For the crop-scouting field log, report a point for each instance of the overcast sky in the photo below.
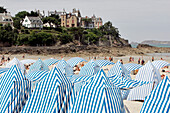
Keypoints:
(137, 20)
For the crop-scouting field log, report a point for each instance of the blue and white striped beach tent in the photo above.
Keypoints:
(118, 70)
(38, 66)
(54, 94)
(65, 68)
(3, 70)
(28, 61)
(102, 63)
(159, 99)
(91, 68)
(146, 73)
(99, 96)
(15, 61)
(75, 60)
(14, 91)
(131, 66)
(50, 61)
(160, 64)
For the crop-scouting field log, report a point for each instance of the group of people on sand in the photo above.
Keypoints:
(4, 60)
(78, 67)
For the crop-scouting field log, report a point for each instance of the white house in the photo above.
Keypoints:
(6, 19)
(49, 25)
(32, 22)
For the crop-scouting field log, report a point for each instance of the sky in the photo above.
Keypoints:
(137, 20)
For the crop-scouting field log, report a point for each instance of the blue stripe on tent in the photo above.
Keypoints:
(3, 70)
(65, 68)
(146, 73)
(160, 64)
(36, 76)
(75, 60)
(159, 99)
(91, 68)
(15, 61)
(99, 96)
(14, 90)
(132, 66)
(50, 61)
(54, 94)
(38, 66)
(102, 63)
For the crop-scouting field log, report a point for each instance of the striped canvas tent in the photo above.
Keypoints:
(75, 60)
(36, 76)
(65, 68)
(3, 70)
(14, 91)
(50, 61)
(102, 63)
(118, 70)
(91, 68)
(146, 73)
(15, 61)
(99, 96)
(53, 95)
(28, 61)
(159, 99)
(38, 66)
(125, 83)
(160, 64)
(131, 66)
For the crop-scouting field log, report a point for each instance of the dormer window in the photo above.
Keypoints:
(26, 20)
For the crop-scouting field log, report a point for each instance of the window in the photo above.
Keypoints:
(26, 20)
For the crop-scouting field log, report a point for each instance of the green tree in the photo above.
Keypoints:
(2, 10)
(21, 14)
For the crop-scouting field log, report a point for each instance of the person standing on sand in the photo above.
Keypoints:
(143, 62)
(152, 59)
(139, 61)
(121, 61)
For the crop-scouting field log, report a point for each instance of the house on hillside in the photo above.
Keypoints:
(6, 19)
(32, 22)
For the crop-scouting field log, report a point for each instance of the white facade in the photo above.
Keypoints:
(6, 19)
(32, 22)
(48, 25)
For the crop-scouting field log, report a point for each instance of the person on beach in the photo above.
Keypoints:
(23, 56)
(105, 58)
(139, 61)
(152, 59)
(130, 59)
(110, 58)
(121, 61)
(8, 59)
(161, 58)
(142, 62)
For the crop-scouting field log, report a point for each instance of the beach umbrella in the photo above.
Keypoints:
(91, 68)
(118, 70)
(146, 73)
(14, 90)
(159, 99)
(15, 61)
(99, 96)
(3, 70)
(160, 64)
(50, 61)
(39, 65)
(75, 60)
(28, 61)
(52, 95)
(131, 66)
(102, 63)
(65, 68)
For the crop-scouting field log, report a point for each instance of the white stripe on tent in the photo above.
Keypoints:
(102, 63)
(91, 68)
(14, 90)
(38, 66)
(159, 99)
(132, 66)
(75, 60)
(146, 73)
(65, 68)
(50, 61)
(52, 95)
(160, 64)
(99, 96)
(15, 61)
(3, 70)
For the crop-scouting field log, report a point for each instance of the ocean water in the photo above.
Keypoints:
(159, 54)
(156, 45)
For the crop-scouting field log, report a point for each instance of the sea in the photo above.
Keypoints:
(156, 45)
